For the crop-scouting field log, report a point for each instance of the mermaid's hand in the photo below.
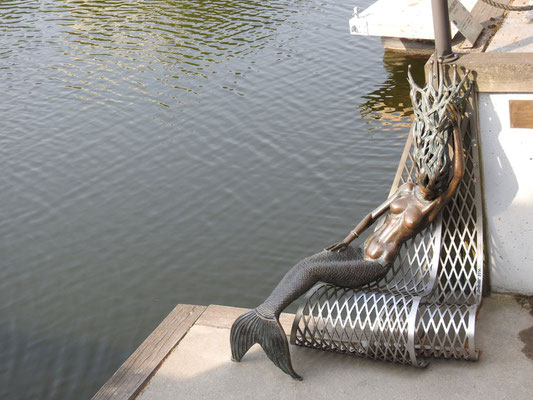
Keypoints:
(341, 246)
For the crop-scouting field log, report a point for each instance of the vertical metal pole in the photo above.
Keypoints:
(441, 27)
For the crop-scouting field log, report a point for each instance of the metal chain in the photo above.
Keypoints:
(506, 7)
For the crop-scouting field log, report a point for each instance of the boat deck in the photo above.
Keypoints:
(503, 32)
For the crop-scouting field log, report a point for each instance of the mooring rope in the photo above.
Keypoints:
(506, 7)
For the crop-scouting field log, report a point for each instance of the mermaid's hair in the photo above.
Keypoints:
(432, 128)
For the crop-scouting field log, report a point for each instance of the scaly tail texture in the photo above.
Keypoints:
(251, 328)
(261, 325)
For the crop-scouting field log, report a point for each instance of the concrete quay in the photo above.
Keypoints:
(188, 357)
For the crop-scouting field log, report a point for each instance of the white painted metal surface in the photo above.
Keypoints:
(408, 19)
(507, 155)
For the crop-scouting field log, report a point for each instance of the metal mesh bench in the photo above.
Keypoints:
(426, 305)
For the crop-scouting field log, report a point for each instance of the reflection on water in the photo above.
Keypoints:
(390, 102)
(164, 152)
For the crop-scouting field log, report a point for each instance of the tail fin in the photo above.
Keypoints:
(251, 328)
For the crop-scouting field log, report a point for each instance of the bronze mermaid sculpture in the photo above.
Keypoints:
(407, 212)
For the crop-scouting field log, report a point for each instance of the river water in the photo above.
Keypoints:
(163, 152)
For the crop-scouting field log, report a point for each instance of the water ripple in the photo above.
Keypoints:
(164, 152)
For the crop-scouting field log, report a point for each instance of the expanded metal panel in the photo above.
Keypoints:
(461, 255)
(426, 305)
(446, 330)
(366, 324)
(384, 326)
(406, 169)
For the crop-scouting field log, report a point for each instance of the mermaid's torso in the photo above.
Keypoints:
(408, 215)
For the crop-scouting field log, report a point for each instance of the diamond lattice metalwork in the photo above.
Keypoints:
(365, 323)
(426, 305)
(445, 330)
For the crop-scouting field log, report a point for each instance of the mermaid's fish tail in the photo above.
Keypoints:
(251, 328)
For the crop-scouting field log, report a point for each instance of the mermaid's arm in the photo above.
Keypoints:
(459, 124)
(363, 225)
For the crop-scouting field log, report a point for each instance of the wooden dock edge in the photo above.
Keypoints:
(130, 378)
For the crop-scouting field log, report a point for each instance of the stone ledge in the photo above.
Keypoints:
(497, 72)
